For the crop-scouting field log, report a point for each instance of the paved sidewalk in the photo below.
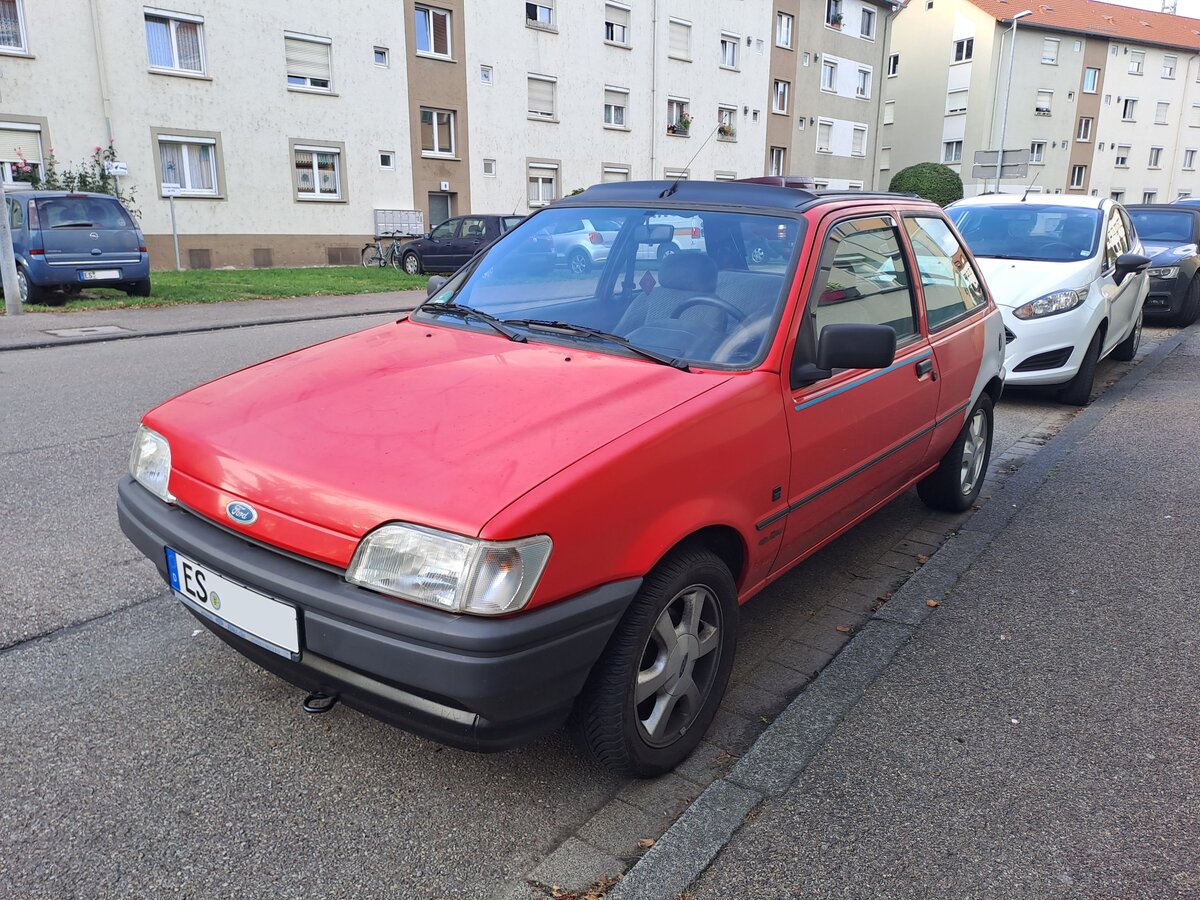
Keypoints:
(1039, 733)
(31, 330)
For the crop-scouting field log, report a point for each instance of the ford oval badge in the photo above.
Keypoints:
(242, 513)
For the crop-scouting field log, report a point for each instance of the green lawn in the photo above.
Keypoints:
(218, 285)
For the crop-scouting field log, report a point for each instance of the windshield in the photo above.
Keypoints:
(699, 286)
(1163, 227)
(82, 212)
(1027, 231)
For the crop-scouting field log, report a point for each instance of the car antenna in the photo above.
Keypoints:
(1030, 188)
(675, 184)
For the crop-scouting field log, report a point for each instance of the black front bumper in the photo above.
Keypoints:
(1166, 297)
(468, 681)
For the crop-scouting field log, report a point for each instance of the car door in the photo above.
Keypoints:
(439, 247)
(860, 435)
(472, 234)
(1123, 300)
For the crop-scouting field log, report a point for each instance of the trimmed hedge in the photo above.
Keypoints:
(930, 180)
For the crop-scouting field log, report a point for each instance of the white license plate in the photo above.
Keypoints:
(256, 617)
(99, 274)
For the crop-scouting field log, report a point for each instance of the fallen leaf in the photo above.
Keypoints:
(933, 603)
(922, 558)
(844, 629)
(646, 843)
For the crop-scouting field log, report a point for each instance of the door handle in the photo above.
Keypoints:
(925, 367)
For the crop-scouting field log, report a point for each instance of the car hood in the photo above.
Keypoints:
(1017, 281)
(428, 424)
(1167, 253)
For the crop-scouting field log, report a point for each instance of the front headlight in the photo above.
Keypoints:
(1050, 305)
(1165, 272)
(150, 462)
(448, 571)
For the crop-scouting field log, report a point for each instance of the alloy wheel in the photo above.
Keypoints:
(974, 452)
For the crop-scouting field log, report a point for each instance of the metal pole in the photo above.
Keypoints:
(175, 234)
(8, 263)
(1012, 53)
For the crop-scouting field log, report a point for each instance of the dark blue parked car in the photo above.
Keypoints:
(65, 242)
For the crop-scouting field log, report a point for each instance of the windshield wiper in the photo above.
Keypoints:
(585, 331)
(467, 312)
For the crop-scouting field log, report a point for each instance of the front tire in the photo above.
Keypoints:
(656, 689)
(412, 263)
(1078, 391)
(1127, 349)
(578, 262)
(955, 485)
(1190, 311)
(371, 258)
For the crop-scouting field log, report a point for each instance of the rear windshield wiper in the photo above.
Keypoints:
(73, 225)
(467, 312)
(585, 331)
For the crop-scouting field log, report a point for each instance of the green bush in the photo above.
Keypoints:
(933, 181)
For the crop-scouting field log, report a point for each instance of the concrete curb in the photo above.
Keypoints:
(785, 748)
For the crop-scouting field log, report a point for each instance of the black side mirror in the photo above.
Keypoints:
(436, 282)
(1127, 264)
(849, 346)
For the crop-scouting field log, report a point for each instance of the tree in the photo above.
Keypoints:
(930, 180)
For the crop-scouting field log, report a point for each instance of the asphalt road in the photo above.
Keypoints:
(141, 757)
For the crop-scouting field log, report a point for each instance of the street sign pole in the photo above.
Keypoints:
(171, 190)
(8, 263)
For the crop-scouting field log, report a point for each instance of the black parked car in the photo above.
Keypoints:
(455, 241)
(1170, 235)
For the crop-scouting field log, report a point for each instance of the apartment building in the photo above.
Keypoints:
(284, 131)
(1105, 98)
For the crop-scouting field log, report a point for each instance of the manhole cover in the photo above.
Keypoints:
(87, 330)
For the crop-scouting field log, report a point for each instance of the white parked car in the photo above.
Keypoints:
(1069, 277)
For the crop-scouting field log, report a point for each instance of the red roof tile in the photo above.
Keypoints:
(1101, 19)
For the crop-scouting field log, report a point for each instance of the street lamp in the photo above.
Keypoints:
(1012, 52)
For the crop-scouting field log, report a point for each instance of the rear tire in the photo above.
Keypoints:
(1078, 391)
(1190, 311)
(371, 258)
(955, 486)
(1127, 349)
(139, 289)
(30, 292)
(674, 649)
(412, 263)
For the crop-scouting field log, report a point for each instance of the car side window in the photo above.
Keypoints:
(1130, 231)
(16, 216)
(473, 228)
(1116, 239)
(864, 278)
(445, 231)
(949, 282)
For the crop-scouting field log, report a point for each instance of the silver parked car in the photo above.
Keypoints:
(582, 243)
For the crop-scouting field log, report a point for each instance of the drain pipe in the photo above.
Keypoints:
(653, 85)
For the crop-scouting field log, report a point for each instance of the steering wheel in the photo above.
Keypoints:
(1056, 248)
(710, 300)
(727, 350)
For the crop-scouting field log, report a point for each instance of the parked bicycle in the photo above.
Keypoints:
(380, 253)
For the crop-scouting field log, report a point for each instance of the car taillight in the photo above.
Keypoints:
(142, 249)
(596, 237)
(33, 215)
(37, 251)
(695, 231)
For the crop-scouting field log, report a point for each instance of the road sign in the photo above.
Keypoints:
(119, 169)
(171, 190)
(1016, 164)
(1016, 171)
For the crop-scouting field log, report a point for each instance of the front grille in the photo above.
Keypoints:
(1053, 359)
(1009, 337)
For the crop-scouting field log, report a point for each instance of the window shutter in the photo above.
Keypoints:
(611, 175)
(680, 42)
(824, 135)
(541, 97)
(860, 138)
(616, 15)
(28, 142)
(615, 98)
(307, 59)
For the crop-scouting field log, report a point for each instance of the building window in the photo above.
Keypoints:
(1050, 52)
(889, 112)
(952, 151)
(543, 183)
(783, 30)
(1083, 133)
(1121, 159)
(726, 123)
(485, 74)
(779, 96)
(1155, 157)
(824, 137)
(542, 92)
(675, 174)
(1137, 62)
(308, 62)
(437, 132)
(893, 65)
(387, 159)
(1128, 110)
(1189, 159)
(1182, 195)
(1078, 173)
(867, 27)
(862, 88)
(489, 168)
(1091, 80)
(1149, 196)
(833, 13)
(778, 161)
(1037, 152)
(616, 101)
(614, 172)
(540, 15)
(964, 49)
(1042, 107)
(1117, 196)
(433, 31)
(174, 44)
(12, 26)
(679, 40)
(828, 76)
(956, 102)
(679, 120)
(858, 141)
(616, 24)
(20, 151)
(729, 50)
(724, 176)
(190, 163)
(885, 157)
(381, 57)
(318, 173)
(1160, 112)
(1168, 66)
